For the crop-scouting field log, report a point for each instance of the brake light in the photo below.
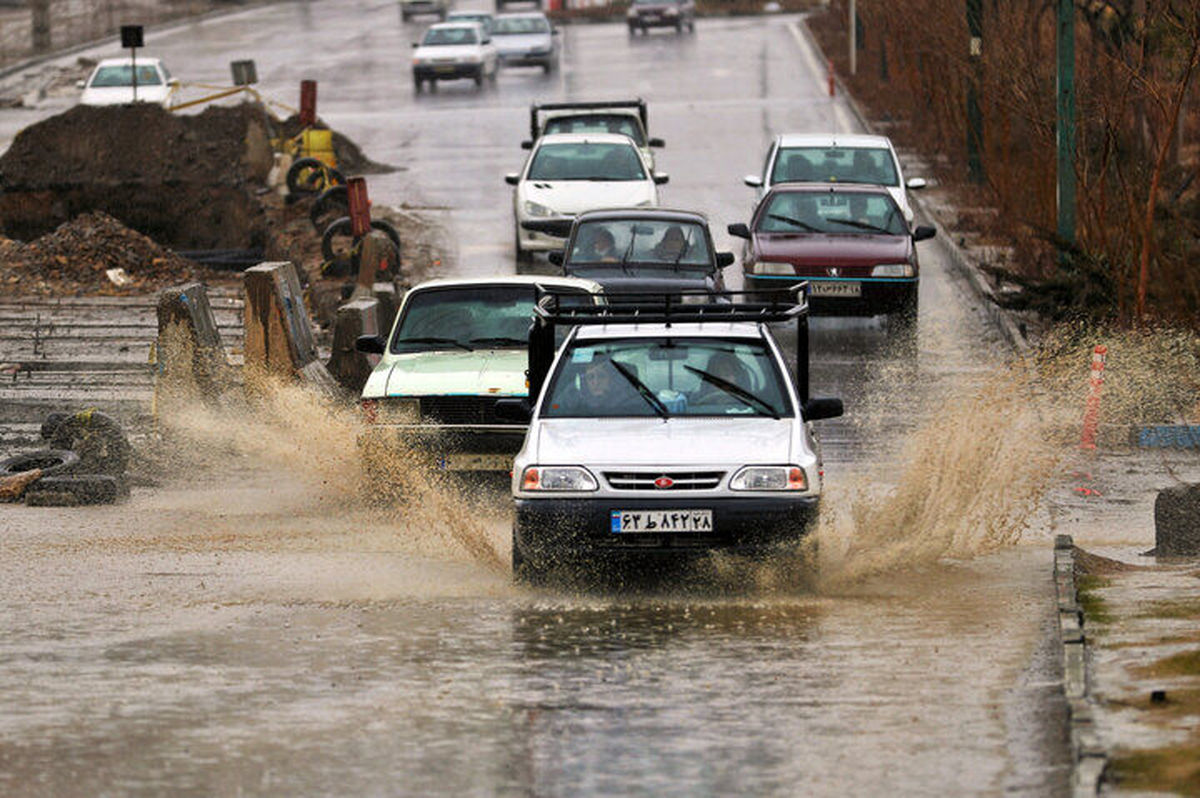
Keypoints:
(531, 479)
(796, 479)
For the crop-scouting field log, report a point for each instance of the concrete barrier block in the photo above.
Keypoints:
(188, 351)
(1177, 521)
(278, 336)
(377, 256)
(389, 296)
(349, 367)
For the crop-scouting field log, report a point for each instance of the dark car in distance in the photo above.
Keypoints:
(646, 14)
(644, 250)
(850, 242)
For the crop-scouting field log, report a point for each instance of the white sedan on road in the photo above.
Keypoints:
(112, 83)
(568, 173)
(452, 50)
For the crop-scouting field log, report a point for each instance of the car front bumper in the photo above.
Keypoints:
(444, 447)
(533, 234)
(447, 71)
(656, 21)
(526, 59)
(877, 295)
(563, 528)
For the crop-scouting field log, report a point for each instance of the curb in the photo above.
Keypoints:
(1088, 756)
(1012, 330)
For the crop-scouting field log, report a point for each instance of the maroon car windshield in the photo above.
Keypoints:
(831, 213)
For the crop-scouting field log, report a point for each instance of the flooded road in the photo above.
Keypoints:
(251, 628)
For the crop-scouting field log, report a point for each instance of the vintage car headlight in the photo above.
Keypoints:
(564, 478)
(537, 209)
(893, 270)
(389, 410)
(771, 267)
(769, 478)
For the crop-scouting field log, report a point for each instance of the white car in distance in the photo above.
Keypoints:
(112, 83)
(568, 173)
(825, 158)
(453, 50)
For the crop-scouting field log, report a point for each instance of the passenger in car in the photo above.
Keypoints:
(672, 245)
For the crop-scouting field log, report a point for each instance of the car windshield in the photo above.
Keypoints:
(666, 377)
(597, 123)
(871, 165)
(586, 160)
(444, 36)
(483, 19)
(519, 25)
(113, 76)
(640, 241)
(829, 212)
(470, 317)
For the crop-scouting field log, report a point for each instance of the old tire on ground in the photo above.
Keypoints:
(50, 461)
(335, 199)
(68, 491)
(51, 423)
(341, 228)
(98, 440)
(309, 176)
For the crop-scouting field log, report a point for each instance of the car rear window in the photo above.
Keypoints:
(639, 377)
(586, 161)
(597, 123)
(518, 25)
(872, 165)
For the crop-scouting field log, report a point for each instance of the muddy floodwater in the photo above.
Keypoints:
(278, 646)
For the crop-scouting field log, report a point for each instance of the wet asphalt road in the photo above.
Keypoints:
(258, 635)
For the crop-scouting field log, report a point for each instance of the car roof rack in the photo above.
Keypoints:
(599, 105)
(657, 307)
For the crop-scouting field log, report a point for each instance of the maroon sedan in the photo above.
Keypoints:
(851, 243)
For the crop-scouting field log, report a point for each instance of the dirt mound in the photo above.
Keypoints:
(76, 255)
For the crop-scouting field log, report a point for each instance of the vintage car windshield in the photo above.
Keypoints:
(597, 123)
(647, 377)
(519, 25)
(448, 36)
(830, 212)
(587, 160)
(471, 317)
(112, 76)
(872, 165)
(640, 241)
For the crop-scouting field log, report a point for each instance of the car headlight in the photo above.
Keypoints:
(537, 209)
(390, 411)
(771, 267)
(557, 478)
(769, 478)
(893, 270)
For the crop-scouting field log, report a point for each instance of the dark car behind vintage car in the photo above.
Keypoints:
(646, 14)
(645, 250)
(851, 243)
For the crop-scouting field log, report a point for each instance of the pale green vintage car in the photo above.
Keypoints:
(456, 348)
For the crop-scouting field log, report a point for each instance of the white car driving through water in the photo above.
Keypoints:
(568, 173)
(673, 431)
(453, 50)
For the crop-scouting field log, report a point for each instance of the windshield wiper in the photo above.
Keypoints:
(862, 225)
(642, 390)
(796, 222)
(735, 391)
(434, 340)
(499, 340)
(633, 234)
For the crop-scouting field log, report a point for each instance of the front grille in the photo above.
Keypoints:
(680, 480)
(460, 410)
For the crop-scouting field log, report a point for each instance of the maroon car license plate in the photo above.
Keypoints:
(836, 288)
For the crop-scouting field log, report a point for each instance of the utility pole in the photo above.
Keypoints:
(852, 25)
(1065, 125)
(41, 25)
(975, 171)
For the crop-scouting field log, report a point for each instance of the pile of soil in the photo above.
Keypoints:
(75, 257)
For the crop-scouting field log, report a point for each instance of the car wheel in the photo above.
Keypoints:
(523, 255)
(632, 30)
(679, 26)
(479, 78)
(416, 84)
(526, 571)
(691, 26)
(48, 461)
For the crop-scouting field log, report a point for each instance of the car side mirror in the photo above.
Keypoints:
(661, 178)
(416, 45)
(370, 344)
(739, 230)
(555, 257)
(724, 259)
(754, 181)
(514, 410)
(817, 409)
(655, 143)
(924, 233)
(79, 84)
(512, 178)
(527, 144)
(554, 31)
(916, 183)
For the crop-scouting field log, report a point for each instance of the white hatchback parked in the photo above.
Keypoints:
(568, 173)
